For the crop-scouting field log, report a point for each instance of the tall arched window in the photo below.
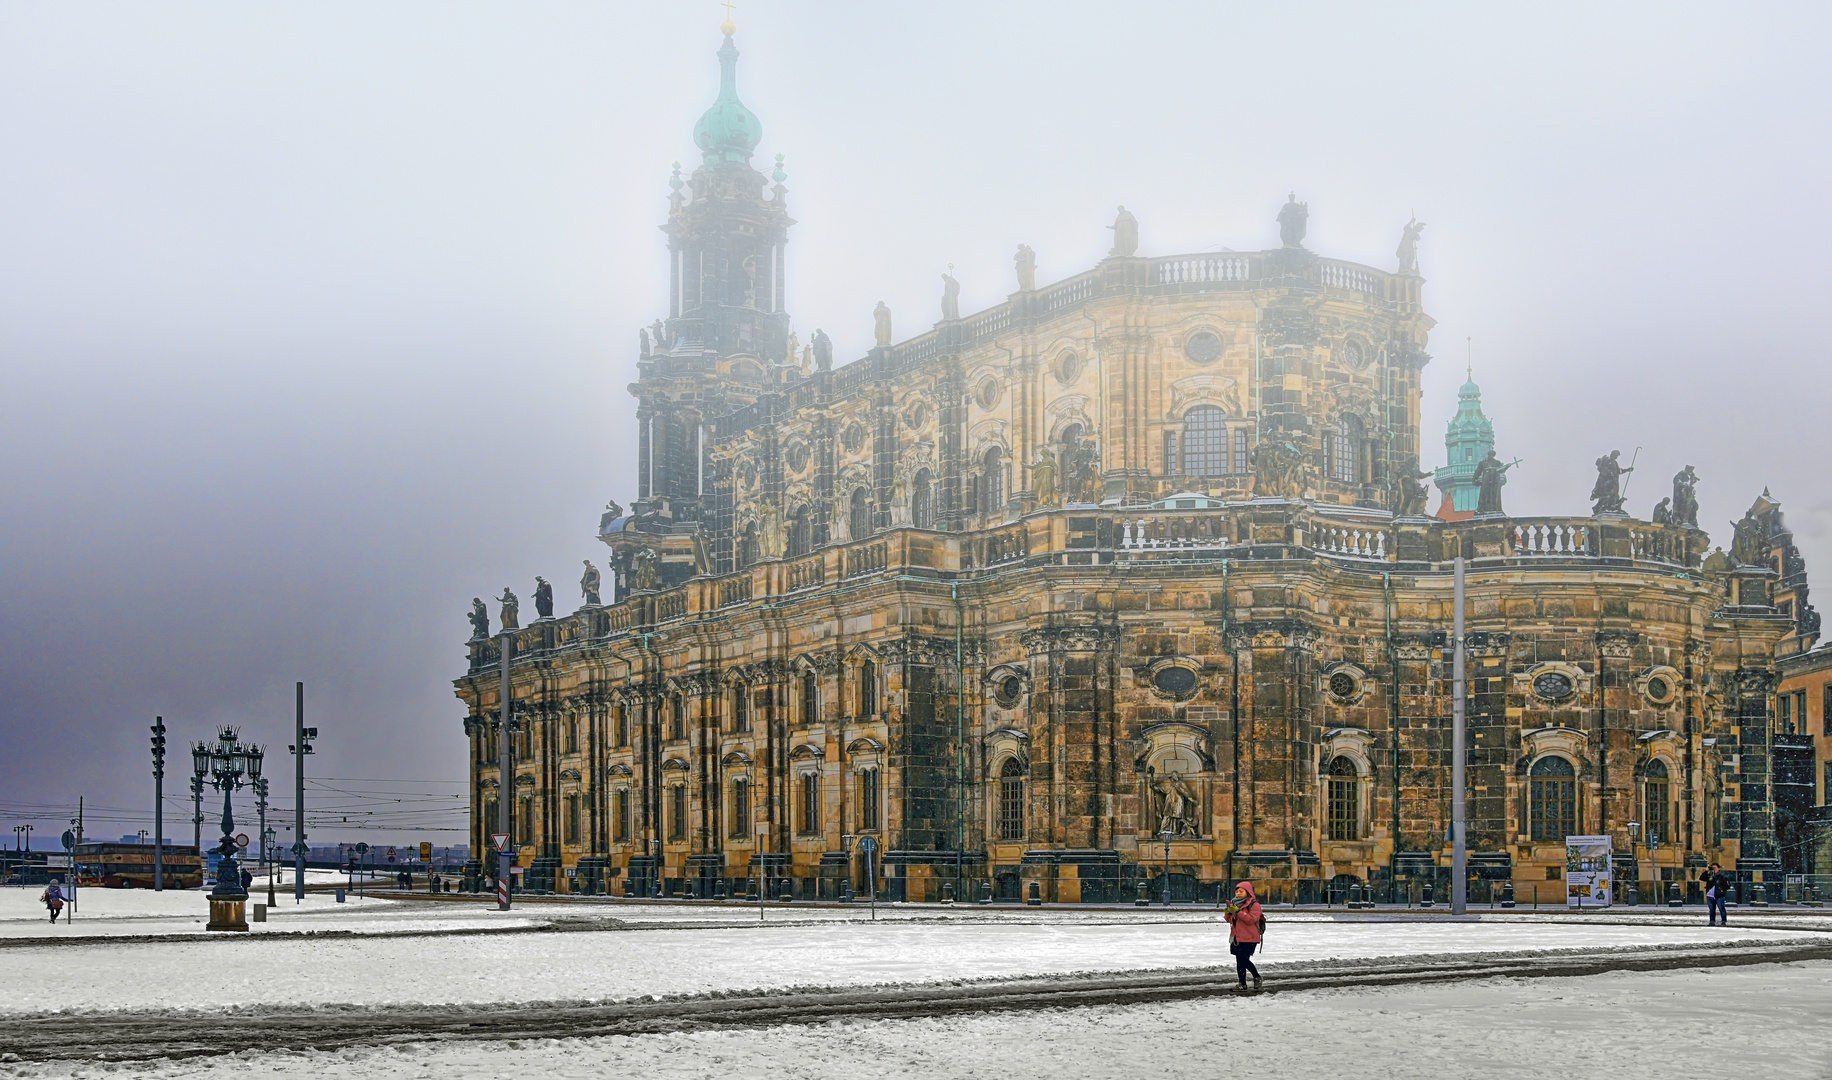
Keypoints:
(811, 699)
(1552, 805)
(869, 813)
(741, 808)
(741, 707)
(1344, 450)
(1344, 800)
(860, 519)
(868, 688)
(1205, 442)
(1656, 812)
(992, 482)
(922, 501)
(1011, 800)
(677, 718)
(801, 532)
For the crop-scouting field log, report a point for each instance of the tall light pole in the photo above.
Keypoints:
(1634, 883)
(505, 776)
(200, 766)
(227, 763)
(1459, 851)
(158, 803)
(302, 745)
(19, 832)
(260, 806)
(1166, 835)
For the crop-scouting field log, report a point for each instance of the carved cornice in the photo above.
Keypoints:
(1617, 644)
(1086, 637)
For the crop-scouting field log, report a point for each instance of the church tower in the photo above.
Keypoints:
(1467, 440)
(724, 343)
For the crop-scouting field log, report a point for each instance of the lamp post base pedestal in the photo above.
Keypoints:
(228, 914)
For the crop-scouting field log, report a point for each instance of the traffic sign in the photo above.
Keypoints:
(362, 849)
(299, 848)
(69, 839)
(501, 840)
(390, 854)
(426, 851)
(241, 840)
(867, 844)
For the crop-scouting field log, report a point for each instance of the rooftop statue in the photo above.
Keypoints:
(1491, 473)
(645, 572)
(1413, 496)
(1685, 498)
(1125, 234)
(1746, 542)
(1663, 512)
(656, 340)
(1027, 268)
(643, 335)
(793, 351)
(511, 617)
(881, 325)
(950, 298)
(823, 350)
(1606, 493)
(1043, 477)
(480, 619)
(1294, 221)
(543, 598)
(1409, 247)
(588, 584)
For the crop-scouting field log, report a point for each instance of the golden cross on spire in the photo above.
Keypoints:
(728, 26)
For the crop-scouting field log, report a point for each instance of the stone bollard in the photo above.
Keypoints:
(787, 893)
(1761, 895)
(985, 892)
(1036, 895)
(718, 885)
(1674, 899)
(1144, 899)
(947, 891)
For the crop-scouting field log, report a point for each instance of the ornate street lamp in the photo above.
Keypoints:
(229, 763)
(1634, 883)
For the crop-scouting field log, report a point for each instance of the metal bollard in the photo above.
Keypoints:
(947, 892)
(1036, 895)
(718, 885)
(787, 892)
(1673, 896)
(1761, 893)
(1507, 894)
(1425, 896)
(1144, 899)
(985, 892)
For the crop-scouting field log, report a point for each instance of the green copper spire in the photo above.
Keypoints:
(1468, 438)
(728, 132)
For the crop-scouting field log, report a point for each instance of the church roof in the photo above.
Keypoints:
(728, 132)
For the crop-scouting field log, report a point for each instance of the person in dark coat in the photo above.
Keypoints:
(1717, 890)
(247, 878)
(1248, 929)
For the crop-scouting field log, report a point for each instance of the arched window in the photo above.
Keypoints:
(1344, 450)
(1656, 812)
(677, 718)
(1205, 442)
(868, 688)
(741, 808)
(623, 813)
(1011, 800)
(801, 533)
(1071, 437)
(1552, 805)
(922, 501)
(741, 707)
(1344, 800)
(811, 699)
(992, 482)
(868, 800)
(810, 802)
(677, 812)
(861, 514)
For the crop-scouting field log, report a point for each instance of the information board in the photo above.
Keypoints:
(1588, 871)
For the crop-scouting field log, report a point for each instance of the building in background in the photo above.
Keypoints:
(1131, 569)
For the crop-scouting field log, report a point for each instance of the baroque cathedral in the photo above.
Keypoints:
(1131, 574)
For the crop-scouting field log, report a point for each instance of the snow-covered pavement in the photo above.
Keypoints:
(602, 960)
(1765, 1020)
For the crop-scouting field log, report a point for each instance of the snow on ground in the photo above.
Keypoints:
(224, 971)
(1765, 1020)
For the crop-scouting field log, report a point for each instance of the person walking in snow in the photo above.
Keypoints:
(53, 897)
(1248, 922)
(1717, 891)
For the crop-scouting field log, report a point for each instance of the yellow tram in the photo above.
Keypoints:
(130, 866)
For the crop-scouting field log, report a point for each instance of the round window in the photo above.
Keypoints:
(1203, 346)
(1342, 684)
(1068, 367)
(747, 474)
(1353, 356)
(988, 393)
(915, 415)
(1010, 691)
(797, 457)
(853, 437)
(1552, 686)
(1658, 689)
(1174, 680)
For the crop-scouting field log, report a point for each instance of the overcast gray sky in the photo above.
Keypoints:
(315, 320)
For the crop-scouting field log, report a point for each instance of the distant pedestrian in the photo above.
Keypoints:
(1717, 890)
(53, 897)
(1248, 922)
(247, 878)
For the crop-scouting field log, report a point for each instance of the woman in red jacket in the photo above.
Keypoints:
(1248, 921)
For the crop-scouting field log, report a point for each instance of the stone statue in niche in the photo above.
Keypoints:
(645, 570)
(1043, 477)
(543, 598)
(480, 619)
(1409, 247)
(1685, 498)
(511, 612)
(900, 495)
(770, 534)
(1606, 493)
(881, 325)
(1294, 221)
(1413, 496)
(823, 350)
(1081, 472)
(1278, 471)
(839, 517)
(1027, 268)
(589, 583)
(1125, 234)
(1663, 513)
(950, 298)
(1490, 474)
(1176, 806)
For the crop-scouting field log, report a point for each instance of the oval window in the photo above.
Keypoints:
(1174, 680)
(1552, 686)
(1352, 354)
(853, 437)
(989, 394)
(1658, 689)
(797, 457)
(1011, 689)
(1342, 684)
(1203, 346)
(1068, 367)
